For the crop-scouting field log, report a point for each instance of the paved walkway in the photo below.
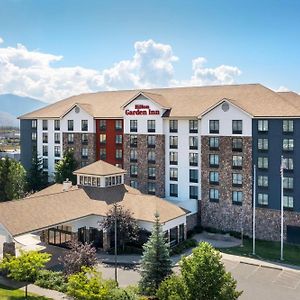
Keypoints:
(32, 288)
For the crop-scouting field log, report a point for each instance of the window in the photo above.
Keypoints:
(119, 125)
(214, 126)
(193, 159)
(287, 126)
(151, 139)
(263, 163)
(134, 184)
(151, 125)
(84, 152)
(237, 127)
(33, 136)
(119, 154)
(133, 125)
(45, 150)
(173, 142)
(173, 158)
(214, 143)
(262, 125)
(214, 195)
(193, 125)
(57, 151)
(102, 125)
(288, 144)
(56, 138)
(237, 144)
(151, 172)
(288, 183)
(119, 139)
(70, 137)
(45, 137)
(45, 163)
(70, 125)
(173, 125)
(193, 192)
(288, 201)
(84, 125)
(193, 141)
(102, 138)
(151, 188)
(45, 124)
(173, 174)
(173, 190)
(102, 153)
(56, 124)
(84, 139)
(214, 160)
(214, 177)
(263, 144)
(288, 164)
(133, 141)
(237, 179)
(194, 176)
(33, 124)
(262, 199)
(237, 197)
(151, 156)
(133, 155)
(133, 170)
(237, 162)
(263, 181)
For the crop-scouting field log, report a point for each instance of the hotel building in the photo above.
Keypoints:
(194, 146)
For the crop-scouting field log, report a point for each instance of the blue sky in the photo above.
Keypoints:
(94, 44)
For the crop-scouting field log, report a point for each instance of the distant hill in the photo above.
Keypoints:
(12, 106)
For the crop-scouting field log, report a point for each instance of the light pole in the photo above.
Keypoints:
(254, 207)
(116, 245)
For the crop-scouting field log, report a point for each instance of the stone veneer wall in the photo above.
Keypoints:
(268, 223)
(192, 221)
(224, 215)
(77, 146)
(142, 163)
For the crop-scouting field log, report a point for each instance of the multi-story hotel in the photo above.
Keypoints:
(194, 146)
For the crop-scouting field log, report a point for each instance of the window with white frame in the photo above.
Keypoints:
(151, 140)
(57, 151)
(262, 181)
(151, 125)
(214, 143)
(173, 190)
(56, 137)
(214, 126)
(173, 174)
(237, 197)
(262, 162)
(84, 152)
(133, 170)
(151, 173)
(288, 126)
(214, 160)
(133, 126)
(262, 125)
(33, 136)
(45, 124)
(193, 142)
(133, 140)
(194, 175)
(214, 177)
(56, 124)
(288, 201)
(133, 155)
(119, 139)
(118, 124)
(70, 138)
(263, 144)
(151, 188)
(173, 142)
(193, 192)
(151, 156)
(214, 195)
(237, 144)
(193, 126)
(33, 124)
(237, 126)
(173, 158)
(173, 125)
(288, 164)
(288, 183)
(193, 157)
(237, 179)
(237, 161)
(119, 154)
(288, 144)
(70, 125)
(84, 125)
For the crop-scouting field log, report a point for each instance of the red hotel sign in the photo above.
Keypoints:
(140, 109)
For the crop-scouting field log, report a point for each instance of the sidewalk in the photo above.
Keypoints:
(32, 288)
(216, 240)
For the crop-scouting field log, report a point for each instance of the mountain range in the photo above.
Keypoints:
(13, 106)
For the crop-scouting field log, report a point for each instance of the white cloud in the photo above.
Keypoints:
(282, 89)
(32, 73)
(1, 40)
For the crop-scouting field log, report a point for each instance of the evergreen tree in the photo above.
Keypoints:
(65, 168)
(156, 264)
(12, 179)
(36, 178)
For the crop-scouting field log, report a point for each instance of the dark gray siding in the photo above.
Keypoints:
(26, 143)
(275, 137)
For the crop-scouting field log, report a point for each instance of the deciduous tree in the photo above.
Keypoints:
(65, 168)
(25, 267)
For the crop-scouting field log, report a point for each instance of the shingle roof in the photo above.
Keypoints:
(256, 99)
(55, 207)
(100, 168)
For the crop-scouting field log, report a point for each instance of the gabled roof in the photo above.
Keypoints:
(155, 98)
(53, 208)
(184, 102)
(100, 168)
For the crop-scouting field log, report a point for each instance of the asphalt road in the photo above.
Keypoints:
(257, 283)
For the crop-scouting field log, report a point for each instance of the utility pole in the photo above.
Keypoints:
(254, 208)
(116, 245)
(281, 223)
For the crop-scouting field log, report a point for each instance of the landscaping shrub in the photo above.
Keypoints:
(124, 294)
(51, 280)
(187, 244)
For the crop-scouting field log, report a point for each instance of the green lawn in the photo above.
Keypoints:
(7, 293)
(268, 251)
